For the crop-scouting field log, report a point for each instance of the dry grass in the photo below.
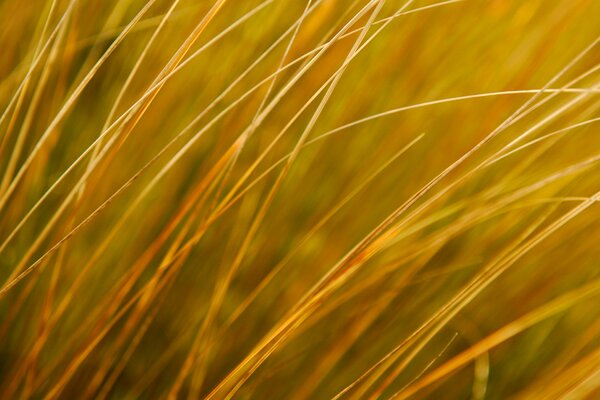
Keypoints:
(299, 199)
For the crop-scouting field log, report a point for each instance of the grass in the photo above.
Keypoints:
(317, 199)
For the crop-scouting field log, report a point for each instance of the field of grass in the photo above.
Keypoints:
(300, 199)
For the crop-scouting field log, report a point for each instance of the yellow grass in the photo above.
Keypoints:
(315, 199)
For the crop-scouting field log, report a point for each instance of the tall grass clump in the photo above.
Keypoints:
(309, 199)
